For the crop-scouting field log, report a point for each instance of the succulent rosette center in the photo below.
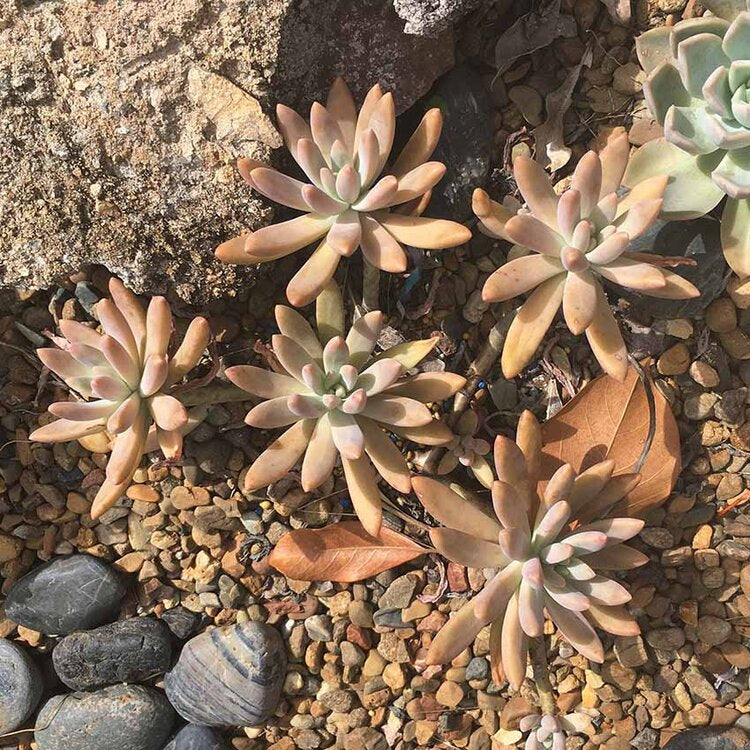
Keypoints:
(468, 450)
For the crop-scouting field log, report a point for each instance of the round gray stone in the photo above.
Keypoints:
(229, 676)
(126, 717)
(66, 594)
(126, 651)
(193, 737)
(21, 686)
(710, 738)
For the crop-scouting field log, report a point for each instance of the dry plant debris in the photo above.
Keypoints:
(608, 420)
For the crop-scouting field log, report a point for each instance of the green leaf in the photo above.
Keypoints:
(733, 173)
(409, 353)
(689, 128)
(690, 192)
(697, 58)
(693, 26)
(329, 313)
(726, 9)
(664, 88)
(653, 48)
(737, 39)
(735, 235)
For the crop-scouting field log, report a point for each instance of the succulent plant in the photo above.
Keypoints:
(467, 450)
(574, 240)
(340, 400)
(125, 373)
(697, 88)
(545, 732)
(349, 201)
(550, 553)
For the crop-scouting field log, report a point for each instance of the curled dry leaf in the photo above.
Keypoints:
(608, 419)
(534, 30)
(342, 552)
(549, 138)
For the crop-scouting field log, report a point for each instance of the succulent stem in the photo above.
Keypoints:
(538, 649)
(370, 286)
(216, 393)
(481, 365)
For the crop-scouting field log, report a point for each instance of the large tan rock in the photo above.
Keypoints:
(121, 121)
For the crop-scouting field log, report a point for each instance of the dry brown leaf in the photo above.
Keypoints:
(608, 419)
(342, 552)
(551, 150)
(534, 30)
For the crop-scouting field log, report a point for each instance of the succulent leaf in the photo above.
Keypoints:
(733, 173)
(464, 448)
(654, 48)
(726, 9)
(735, 235)
(690, 192)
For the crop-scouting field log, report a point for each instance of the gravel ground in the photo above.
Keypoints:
(193, 540)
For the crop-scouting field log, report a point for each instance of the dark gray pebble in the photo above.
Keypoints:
(182, 622)
(66, 594)
(125, 717)
(193, 737)
(229, 676)
(465, 145)
(21, 686)
(710, 738)
(126, 651)
(478, 669)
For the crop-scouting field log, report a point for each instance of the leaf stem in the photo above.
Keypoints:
(648, 389)
(216, 393)
(370, 286)
(540, 668)
(480, 366)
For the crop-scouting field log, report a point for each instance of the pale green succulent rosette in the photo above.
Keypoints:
(698, 89)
